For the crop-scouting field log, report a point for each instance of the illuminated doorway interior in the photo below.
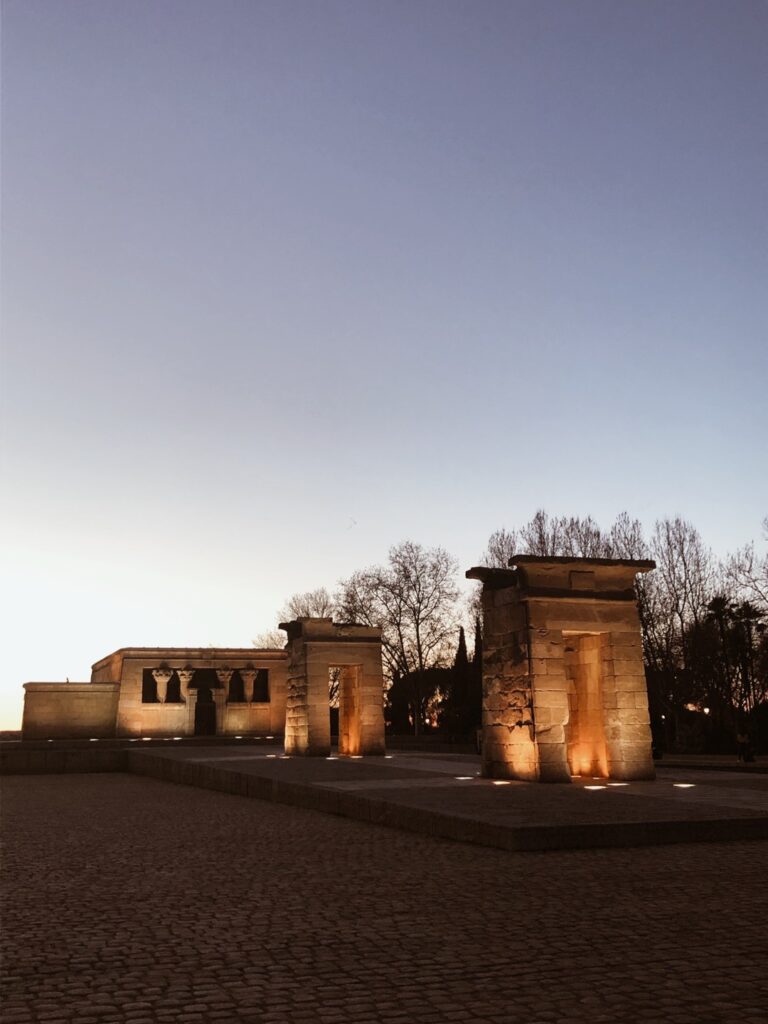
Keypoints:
(344, 698)
(585, 731)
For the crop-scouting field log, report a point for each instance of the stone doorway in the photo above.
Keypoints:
(585, 729)
(350, 731)
(318, 650)
(205, 712)
(564, 689)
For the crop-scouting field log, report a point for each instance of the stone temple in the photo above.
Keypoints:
(186, 691)
(564, 690)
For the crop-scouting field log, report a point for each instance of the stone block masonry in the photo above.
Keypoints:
(564, 690)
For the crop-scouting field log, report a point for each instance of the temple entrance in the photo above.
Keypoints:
(324, 655)
(585, 731)
(205, 712)
(349, 710)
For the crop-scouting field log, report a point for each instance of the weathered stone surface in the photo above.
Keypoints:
(573, 623)
(315, 646)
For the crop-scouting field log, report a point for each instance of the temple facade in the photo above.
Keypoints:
(164, 691)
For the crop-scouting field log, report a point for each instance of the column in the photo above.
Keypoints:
(161, 677)
(248, 675)
(224, 675)
(186, 675)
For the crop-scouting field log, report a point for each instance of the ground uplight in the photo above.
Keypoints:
(684, 785)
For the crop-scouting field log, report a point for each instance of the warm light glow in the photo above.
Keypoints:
(594, 787)
(684, 785)
(355, 757)
(238, 737)
(501, 782)
(270, 737)
(271, 755)
(177, 737)
(706, 711)
(618, 783)
(146, 738)
(388, 757)
(331, 758)
(94, 739)
(464, 778)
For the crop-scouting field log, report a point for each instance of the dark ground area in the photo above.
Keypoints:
(128, 901)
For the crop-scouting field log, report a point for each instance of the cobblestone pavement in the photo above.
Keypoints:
(130, 901)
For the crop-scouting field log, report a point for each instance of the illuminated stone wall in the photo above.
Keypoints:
(315, 646)
(69, 710)
(564, 689)
(118, 702)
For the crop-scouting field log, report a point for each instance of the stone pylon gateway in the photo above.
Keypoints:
(564, 689)
(315, 646)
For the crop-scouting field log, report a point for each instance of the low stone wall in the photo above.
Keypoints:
(69, 710)
(20, 759)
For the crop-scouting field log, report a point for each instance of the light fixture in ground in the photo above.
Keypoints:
(684, 785)
(595, 787)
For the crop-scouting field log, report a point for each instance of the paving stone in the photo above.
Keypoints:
(129, 900)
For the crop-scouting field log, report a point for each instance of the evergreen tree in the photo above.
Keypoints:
(461, 661)
(475, 687)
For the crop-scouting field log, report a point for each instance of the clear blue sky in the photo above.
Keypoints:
(288, 282)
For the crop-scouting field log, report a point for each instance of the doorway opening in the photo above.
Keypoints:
(205, 712)
(344, 699)
(585, 731)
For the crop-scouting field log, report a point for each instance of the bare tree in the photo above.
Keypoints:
(502, 544)
(313, 604)
(414, 600)
(542, 535)
(271, 639)
(748, 572)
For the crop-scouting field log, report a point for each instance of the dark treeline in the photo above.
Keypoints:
(703, 621)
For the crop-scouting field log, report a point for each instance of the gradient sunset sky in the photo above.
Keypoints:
(285, 283)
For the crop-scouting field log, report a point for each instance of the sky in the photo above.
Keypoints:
(285, 283)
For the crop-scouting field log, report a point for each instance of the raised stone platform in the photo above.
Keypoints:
(444, 796)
